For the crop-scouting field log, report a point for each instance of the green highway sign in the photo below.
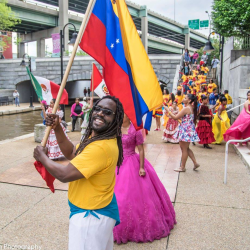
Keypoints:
(194, 24)
(204, 24)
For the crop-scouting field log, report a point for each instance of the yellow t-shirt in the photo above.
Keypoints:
(206, 69)
(193, 90)
(165, 99)
(203, 78)
(195, 73)
(184, 78)
(198, 85)
(179, 99)
(200, 77)
(179, 87)
(211, 87)
(97, 162)
(229, 99)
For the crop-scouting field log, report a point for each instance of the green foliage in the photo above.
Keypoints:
(5, 41)
(78, 53)
(81, 53)
(8, 20)
(17, 40)
(231, 17)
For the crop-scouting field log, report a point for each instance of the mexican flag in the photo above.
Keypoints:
(99, 86)
(46, 89)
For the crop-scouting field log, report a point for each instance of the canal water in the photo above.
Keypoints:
(23, 123)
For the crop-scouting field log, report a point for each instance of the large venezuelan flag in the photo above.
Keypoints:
(112, 39)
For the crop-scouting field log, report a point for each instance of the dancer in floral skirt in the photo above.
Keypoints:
(172, 125)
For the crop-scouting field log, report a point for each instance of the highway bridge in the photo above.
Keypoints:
(159, 34)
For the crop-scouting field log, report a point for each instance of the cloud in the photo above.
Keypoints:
(184, 9)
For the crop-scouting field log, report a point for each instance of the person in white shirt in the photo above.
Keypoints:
(16, 98)
(214, 64)
(204, 58)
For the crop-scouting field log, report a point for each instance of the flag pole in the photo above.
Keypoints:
(66, 74)
(92, 81)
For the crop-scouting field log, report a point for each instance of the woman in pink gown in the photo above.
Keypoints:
(241, 127)
(145, 209)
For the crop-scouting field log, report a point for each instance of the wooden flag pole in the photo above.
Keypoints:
(92, 81)
(66, 74)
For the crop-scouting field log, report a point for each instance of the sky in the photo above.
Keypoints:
(184, 10)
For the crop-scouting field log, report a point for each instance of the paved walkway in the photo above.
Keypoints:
(210, 215)
(24, 107)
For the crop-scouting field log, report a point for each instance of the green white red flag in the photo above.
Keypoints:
(46, 89)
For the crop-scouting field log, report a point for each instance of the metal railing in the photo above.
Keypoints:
(226, 156)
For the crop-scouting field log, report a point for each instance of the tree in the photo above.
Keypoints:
(231, 17)
(8, 20)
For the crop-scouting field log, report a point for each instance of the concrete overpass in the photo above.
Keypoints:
(39, 21)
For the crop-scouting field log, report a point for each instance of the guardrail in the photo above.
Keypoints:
(226, 156)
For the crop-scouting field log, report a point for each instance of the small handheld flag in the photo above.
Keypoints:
(99, 86)
(46, 89)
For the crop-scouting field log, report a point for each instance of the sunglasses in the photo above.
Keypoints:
(107, 112)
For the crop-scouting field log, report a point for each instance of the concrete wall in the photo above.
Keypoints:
(239, 79)
(235, 54)
(242, 97)
(236, 74)
(228, 47)
(11, 73)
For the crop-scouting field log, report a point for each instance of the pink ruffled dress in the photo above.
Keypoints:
(240, 128)
(145, 209)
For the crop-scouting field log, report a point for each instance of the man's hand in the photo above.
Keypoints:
(40, 152)
(52, 120)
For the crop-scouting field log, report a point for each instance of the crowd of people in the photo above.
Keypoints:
(197, 112)
(114, 192)
(108, 205)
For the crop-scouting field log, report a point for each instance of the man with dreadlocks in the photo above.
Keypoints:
(91, 175)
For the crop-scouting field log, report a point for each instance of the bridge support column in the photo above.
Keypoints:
(21, 50)
(40, 45)
(187, 37)
(64, 19)
(144, 26)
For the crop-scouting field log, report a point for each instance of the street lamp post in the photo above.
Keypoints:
(209, 17)
(209, 48)
(23, 63)
(72, 41)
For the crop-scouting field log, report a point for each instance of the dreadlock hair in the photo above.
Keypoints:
(114, 131)
(193, 100)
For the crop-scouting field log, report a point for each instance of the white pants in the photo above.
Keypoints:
(91, 233)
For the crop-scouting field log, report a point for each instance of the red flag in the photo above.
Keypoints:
(45, 175)
(99, 85)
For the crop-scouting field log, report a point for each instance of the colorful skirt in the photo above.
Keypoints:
(240, 128)
(145, 209)
(171, 128)
(158, 114)
(54, 151)
(205, 133)
(220, 127)
(186, 133)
